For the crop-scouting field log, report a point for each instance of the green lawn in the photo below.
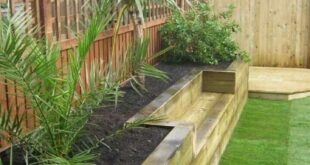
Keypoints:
(271, 132)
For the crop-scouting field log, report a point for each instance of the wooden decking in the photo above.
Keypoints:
(279, 83)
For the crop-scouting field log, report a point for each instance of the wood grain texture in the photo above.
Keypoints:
(279, 83)
(219, 81)
(274, 32)
(210, 118)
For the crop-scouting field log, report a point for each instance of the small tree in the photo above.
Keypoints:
(136, 10)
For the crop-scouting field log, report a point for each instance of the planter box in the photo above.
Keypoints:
(203, 109)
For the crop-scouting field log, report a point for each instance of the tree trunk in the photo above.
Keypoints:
(138, 36)
(138, 26)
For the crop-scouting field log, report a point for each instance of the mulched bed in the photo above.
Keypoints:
(134, 146)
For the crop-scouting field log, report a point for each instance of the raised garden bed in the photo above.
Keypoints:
(202, 109)
(136, 145)
(200, 106)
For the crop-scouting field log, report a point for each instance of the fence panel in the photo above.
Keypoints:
(10, 96)
(274, 32)
(57, 18)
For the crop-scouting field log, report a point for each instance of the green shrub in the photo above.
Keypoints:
(201, 36)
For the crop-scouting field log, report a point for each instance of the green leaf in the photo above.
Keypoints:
(201, 35)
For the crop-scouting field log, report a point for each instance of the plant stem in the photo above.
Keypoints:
(11, 154)
(116, 30)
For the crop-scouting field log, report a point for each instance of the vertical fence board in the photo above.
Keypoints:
(274, 32)
(55, 17)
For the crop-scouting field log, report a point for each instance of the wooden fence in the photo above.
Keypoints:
(274, 32)
(56, 17)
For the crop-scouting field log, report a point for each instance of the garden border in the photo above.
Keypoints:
(187, 143)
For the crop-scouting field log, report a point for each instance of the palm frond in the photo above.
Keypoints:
(135, 124)
(151, 71)
(137, 58)
(142, 121)
(99, 21)
(11, 126)
(30, 64)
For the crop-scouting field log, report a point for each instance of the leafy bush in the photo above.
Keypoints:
(201, 36)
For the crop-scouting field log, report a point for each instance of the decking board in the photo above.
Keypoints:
(279, 83)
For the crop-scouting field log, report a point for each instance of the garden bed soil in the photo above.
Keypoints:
(134, 146)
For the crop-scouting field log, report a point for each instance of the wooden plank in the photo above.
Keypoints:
(219, 81)
(68, 17)
(58, 20)
(96, 52)
(298, 35)
(21, 107)
(69, 43)
(105, 51)
(4, 105)
(3, 92)
(101, 53)
(306, 35)
(276, 82)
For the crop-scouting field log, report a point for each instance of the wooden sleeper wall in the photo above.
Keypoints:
(219, 137)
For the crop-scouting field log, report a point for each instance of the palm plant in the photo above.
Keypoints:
(30, 64)
(137, 59)
(135, 9)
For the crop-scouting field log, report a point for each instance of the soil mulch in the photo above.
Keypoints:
(133, 147)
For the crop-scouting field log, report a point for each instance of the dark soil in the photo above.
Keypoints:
(133, 147)
(18, 157)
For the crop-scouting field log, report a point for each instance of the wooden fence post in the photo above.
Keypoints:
(182, 5)
(12, 6)
(45, 19)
